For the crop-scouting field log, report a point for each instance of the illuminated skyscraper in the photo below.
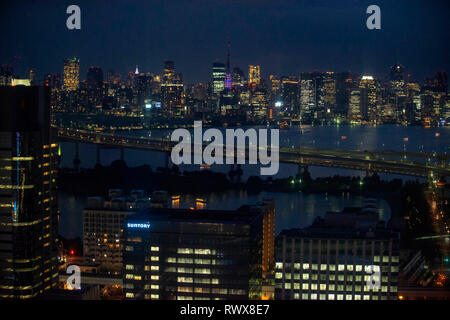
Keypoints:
(397, 82)
(172, 91)
(28, 194)
(169, 70)
(71, 74)
(307, 99)
(368, 98)
(254, 75)
(238, 78)
(218, 75)
(354, 112)
(329, 88)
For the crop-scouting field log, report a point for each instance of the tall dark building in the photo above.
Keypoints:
(437, 84)
(343, 87)
(95, 77)
(290, 94)
(28, 194)
(180, 254)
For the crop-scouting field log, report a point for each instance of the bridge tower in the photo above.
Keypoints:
(76, 159)
(302, 168)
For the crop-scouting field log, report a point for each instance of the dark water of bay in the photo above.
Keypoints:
(292, 210)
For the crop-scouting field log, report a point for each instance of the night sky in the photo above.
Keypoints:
(284, 37)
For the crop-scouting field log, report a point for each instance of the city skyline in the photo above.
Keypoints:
(278, 39)
(224, 150)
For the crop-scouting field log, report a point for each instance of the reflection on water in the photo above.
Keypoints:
(292, 210)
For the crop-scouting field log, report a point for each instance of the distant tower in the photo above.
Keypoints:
(228, 72)
(137, 70)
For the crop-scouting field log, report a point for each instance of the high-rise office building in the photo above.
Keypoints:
(28, 194)
(238, 79)
(348, 255)
(71, 74)
(172, 91)
(103, 223)
(344, 83)
(397, 80)
(169, 70)
(368, 98)
(218, 77)
(307, 98)
(254, 75)
(354, 109)
(94, 77)
(290, 95)
(329, 87)
(179, 254)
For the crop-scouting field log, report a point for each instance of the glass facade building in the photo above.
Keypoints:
(28, 194)
(180, 254)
